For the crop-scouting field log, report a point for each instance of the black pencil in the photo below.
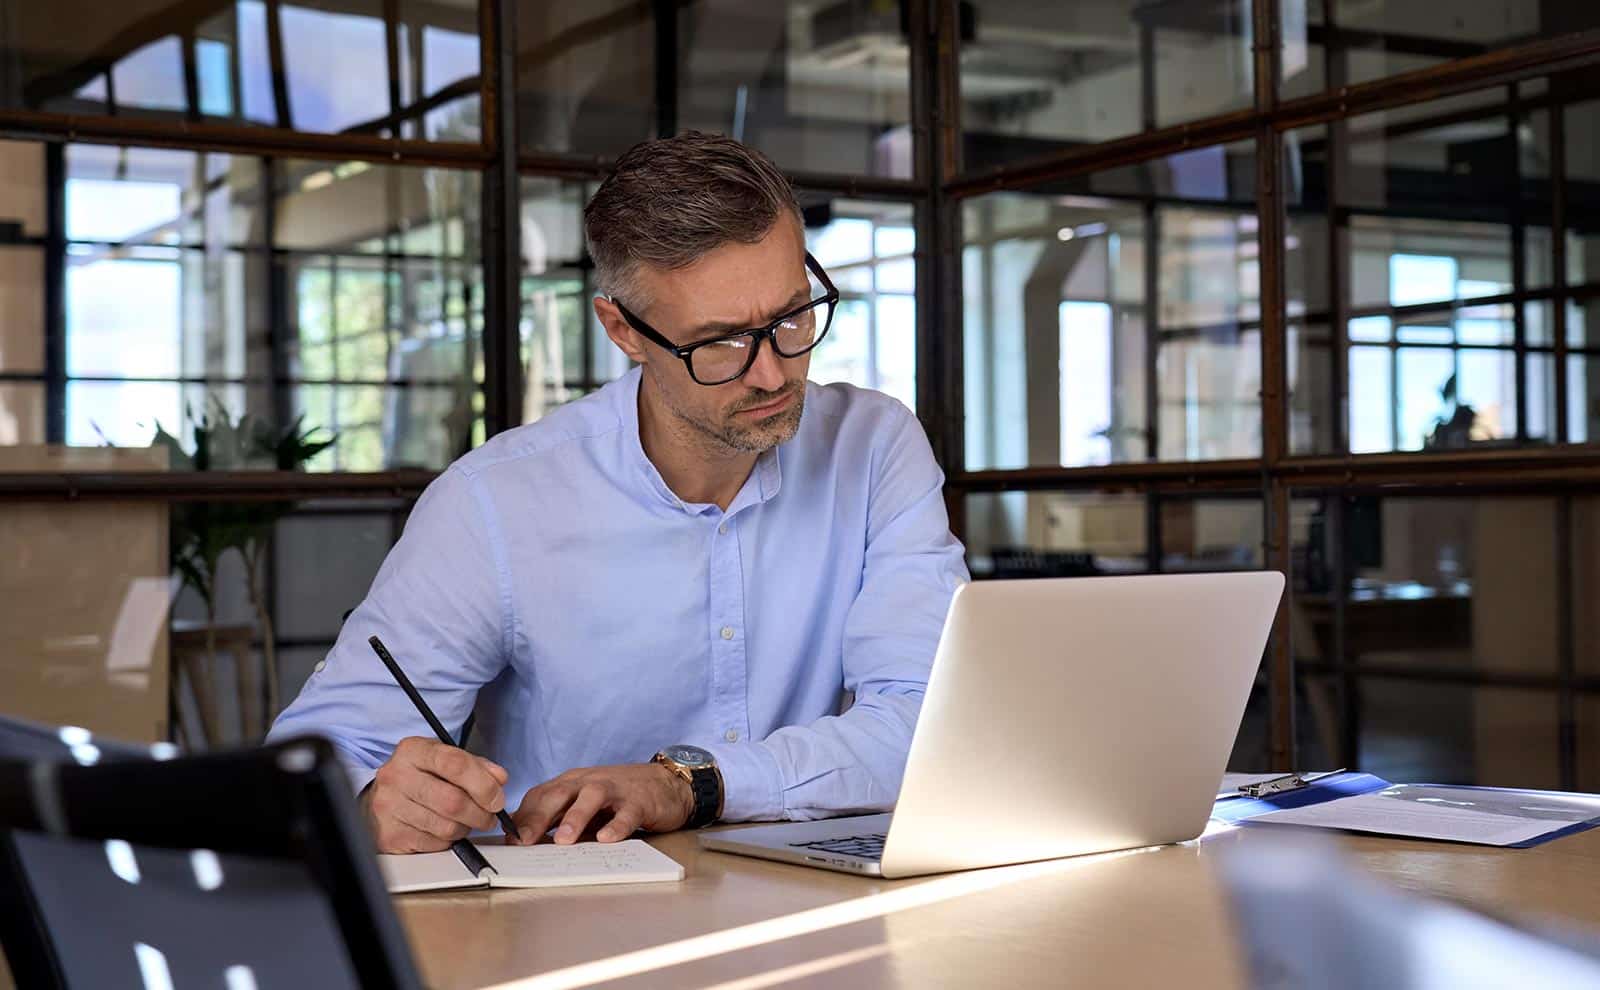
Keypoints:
(427, 713)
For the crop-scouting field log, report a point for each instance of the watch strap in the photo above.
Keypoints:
(706, 785)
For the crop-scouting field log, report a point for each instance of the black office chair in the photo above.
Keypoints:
(242, 869)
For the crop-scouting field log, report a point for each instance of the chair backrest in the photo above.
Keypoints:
(21, 739)
(241, 869)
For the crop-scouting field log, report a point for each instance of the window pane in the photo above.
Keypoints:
(1036, 304)
(1433, 585)
(846, 354)
(1371, 400)
(894, 352)
(314, 588)
(560, 334)
(1378, 38)
(370, 209)
(1583, 324)
(1541, 396)
(819, 88)
(1037, 78)
(1585, 535)
(1435, 581)
(1430, 200)
(123, 316)
(450, 63)
(1583, 205)
(125, 195)
(1583, 398)
(1208, 366)
(1430, 206)
(1486, 383)
(1311, 404)
(1426, 415)
(1211, 534)
(586, 76)
(122, 414)
(866, 247)
(1459, 734)
(336, 65)
(1055, 534)
(151, 77)
(167, 289)
(1588, 711)
(333, 60)
(21, 414)
(22, 187)
(1057, 304)
(22, 303)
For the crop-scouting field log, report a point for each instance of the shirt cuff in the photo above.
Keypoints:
(360, 777)
(752, 784)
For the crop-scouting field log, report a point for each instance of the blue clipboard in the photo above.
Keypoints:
(1242, 808)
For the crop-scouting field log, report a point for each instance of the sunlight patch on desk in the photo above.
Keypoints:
(788, 926)
(786, 974)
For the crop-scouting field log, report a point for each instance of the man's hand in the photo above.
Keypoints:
(639, 795)
(428, 795)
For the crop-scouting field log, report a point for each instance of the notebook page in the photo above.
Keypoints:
(548, 865)
(425, 871)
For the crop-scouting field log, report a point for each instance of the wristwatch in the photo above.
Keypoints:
(699, 769)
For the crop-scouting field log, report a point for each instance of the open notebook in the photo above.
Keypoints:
(544, 865)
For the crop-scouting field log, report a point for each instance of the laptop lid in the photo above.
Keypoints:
(1078, 715)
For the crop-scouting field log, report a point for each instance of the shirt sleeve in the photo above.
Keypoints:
(853, 763)
(440, 605)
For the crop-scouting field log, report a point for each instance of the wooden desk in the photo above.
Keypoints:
(1149, 918)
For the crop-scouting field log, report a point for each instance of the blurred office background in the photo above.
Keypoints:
(1173, 285)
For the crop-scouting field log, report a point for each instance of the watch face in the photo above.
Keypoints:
(689, 756)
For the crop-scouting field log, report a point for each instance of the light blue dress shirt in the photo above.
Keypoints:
(603, 618)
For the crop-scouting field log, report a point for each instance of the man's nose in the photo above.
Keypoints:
(767, 373)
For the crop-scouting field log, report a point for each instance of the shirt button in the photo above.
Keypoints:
(731, 735)
(727, 632)
(723, 529)
(320, 665)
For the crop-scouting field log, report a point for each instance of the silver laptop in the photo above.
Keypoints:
(1063, 717)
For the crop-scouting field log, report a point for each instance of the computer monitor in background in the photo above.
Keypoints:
(242, 869)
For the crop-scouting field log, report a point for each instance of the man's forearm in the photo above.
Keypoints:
(841, 764)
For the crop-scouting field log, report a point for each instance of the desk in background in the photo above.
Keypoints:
(1147, 918)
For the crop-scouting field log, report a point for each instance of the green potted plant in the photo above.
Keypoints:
(202, 533)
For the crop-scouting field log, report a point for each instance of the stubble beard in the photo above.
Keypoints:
(740, 434)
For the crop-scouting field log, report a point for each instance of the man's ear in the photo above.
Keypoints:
(625, 337)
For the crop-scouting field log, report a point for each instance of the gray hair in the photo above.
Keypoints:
(671, 201)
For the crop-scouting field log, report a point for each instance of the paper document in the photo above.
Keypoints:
(1487, 816)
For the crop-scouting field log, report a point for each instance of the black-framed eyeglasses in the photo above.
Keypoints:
(722, 359)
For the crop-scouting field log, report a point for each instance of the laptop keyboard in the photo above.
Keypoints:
(867, 846)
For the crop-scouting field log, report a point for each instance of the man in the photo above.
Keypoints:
(694, 562)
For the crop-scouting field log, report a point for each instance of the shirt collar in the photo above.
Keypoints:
(627, 398)
(763, 484)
